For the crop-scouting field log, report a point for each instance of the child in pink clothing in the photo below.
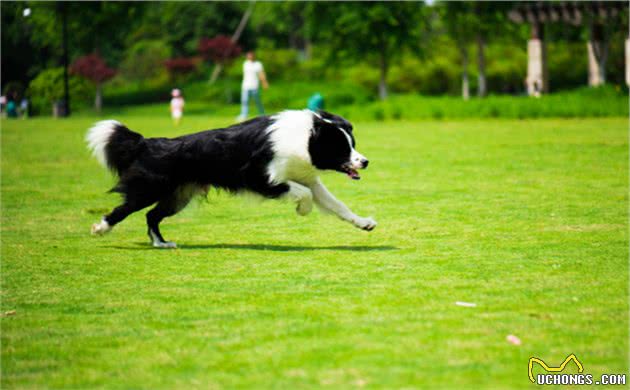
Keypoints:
(177, 106)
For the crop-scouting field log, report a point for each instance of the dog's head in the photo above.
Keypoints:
(332, 145)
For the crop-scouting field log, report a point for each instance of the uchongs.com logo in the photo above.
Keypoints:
(554, 375)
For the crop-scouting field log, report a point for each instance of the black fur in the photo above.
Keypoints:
(328, 147)
(170, 172)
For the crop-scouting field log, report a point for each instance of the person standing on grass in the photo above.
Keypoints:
(253, 75)
(12, 106)
(177, 106)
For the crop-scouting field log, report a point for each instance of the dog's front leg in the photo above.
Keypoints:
(327, 201)
(303, 196)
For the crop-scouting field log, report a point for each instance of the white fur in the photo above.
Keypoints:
(289, 134)
(98, 137)
(98, 229)
(302, 196)
(159, 244)
(327, 202)
(356, 159)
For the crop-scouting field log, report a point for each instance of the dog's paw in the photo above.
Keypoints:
(365, 223)
(165, 245)
(98, 229)
(304, 207)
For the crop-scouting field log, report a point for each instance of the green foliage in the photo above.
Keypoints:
(585, 102)
(47, 88)
(567, 64)
(182, 24)
(374, 32)
(359, 103)
(507, 68)
(13, 87)
(21, 60)
(144, 61)
(279, 64)
(418, 49)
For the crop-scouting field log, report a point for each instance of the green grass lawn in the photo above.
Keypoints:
(527, 219)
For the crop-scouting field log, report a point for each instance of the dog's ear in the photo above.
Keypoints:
(334, 120)
(319, 123)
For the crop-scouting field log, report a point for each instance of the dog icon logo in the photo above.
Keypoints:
(544, 365)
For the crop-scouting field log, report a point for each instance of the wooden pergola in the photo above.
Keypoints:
(594, 14)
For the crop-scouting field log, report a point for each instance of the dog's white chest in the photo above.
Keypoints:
(294, 168)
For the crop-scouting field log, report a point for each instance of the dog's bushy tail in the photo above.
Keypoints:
(114, 145)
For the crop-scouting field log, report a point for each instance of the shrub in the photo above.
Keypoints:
(135, 94)
(220, 49)
(15, 88)
(93, 68)
(364, 76)
(47, 88)
(378, 114)
(280, 64)
(567, 64)
(179, 68)
(506, 68)
(143, 61)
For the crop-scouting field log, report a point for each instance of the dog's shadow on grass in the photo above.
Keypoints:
(268, 247)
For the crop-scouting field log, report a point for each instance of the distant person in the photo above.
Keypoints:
(253, 75)
(24, 108)
(3, 103)
(177, 106)
(12, 106)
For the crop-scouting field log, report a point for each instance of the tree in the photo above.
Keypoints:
(182, 23)
(221, 50)
(282, 23)
(142, 60)
(460, 24)
(180, 66)
(376, 32)
(490, 19)
(93, 68)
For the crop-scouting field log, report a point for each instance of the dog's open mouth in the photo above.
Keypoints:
(351, 172)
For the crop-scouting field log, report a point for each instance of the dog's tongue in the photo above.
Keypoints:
(353, 174)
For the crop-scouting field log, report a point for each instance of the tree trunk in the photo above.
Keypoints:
(465, 83)
(382, 84)
(481, 67)
(597, 53)
(98, 100)
(215, 72)
(235, 37)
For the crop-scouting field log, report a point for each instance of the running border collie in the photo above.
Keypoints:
(274, 156)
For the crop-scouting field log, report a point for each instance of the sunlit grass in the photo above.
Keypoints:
(527, 219)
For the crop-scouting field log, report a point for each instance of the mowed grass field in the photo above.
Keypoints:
(526, 219)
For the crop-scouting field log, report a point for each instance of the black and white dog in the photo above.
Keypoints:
(274, 156)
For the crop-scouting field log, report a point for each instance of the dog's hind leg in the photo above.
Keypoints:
(166, 207)
(118, 214)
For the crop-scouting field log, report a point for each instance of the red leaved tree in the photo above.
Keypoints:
(93, 68)
(221, 50)
(180, 65)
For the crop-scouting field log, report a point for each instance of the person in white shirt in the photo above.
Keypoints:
(253, 76)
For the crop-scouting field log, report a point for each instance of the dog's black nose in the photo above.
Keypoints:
(365, 162)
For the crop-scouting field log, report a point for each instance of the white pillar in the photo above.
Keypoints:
(536, 72)
(628, 62)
